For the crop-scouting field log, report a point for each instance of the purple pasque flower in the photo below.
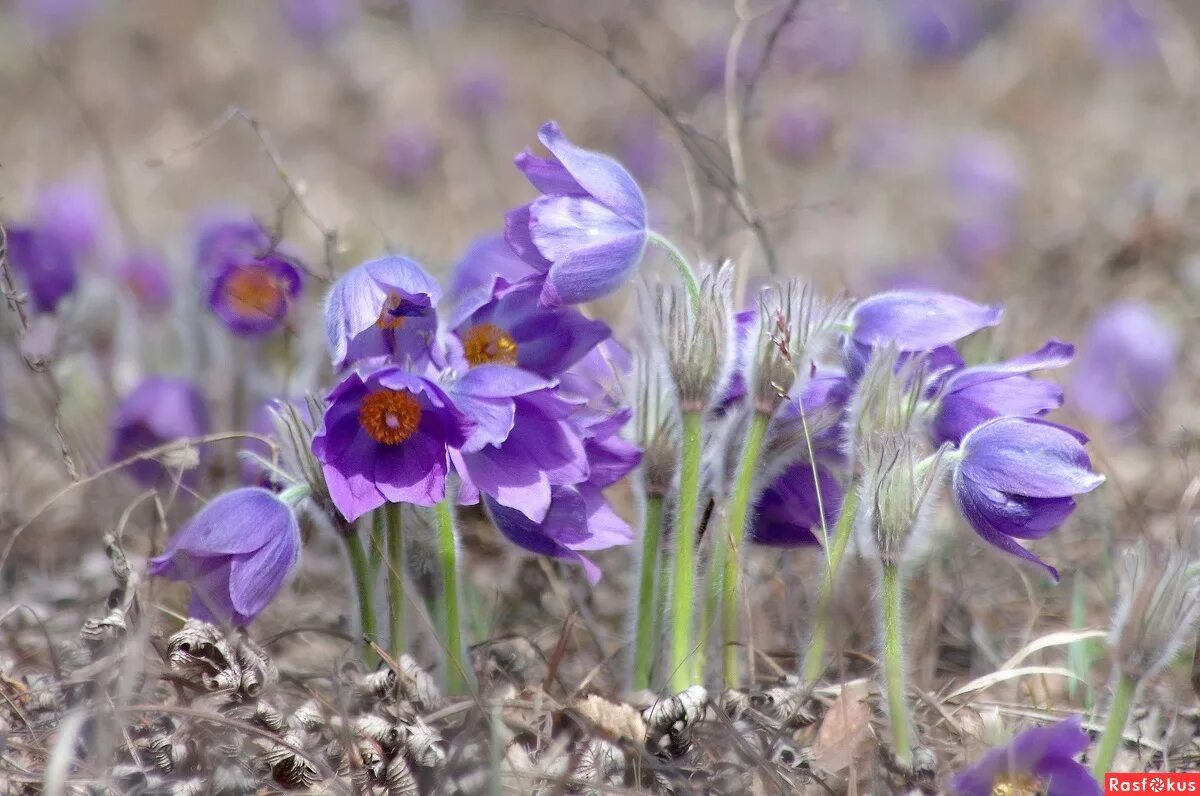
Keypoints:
(972, 396)
(382, 308)
(642, 148)
(940, 29)
(985, 171)
(1124, 31)
(161, 409)
(1016, 478)
(488, 257)
(745, 331)
(1126, 361)
(914, 322)
(796, 131)
(73, 213)
(579, 518)
(252, 296)
(408, 154)
(145, 275)
(789, 511)
(385, 440)
(1039, 760)
(223, 237)
(589, 229)
(823, 397)
(316, 22)
(477, 89)
(599, 375)
(236, 554)
(828, 37)
(503, 324)
(44, 264)
(523, 442)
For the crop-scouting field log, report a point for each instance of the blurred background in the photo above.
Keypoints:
(1038, 153)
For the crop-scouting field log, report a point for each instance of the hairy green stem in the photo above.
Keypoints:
(644, 639)
(395, 578)
(684, 570)
(681, 263)
(1114, 726)
(361, 571)
(814, 658)
(712, 600)
(739, 511)
(891, 595)
(456, 671)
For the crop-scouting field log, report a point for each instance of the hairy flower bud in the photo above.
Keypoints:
(696, 344)
(1158, 609)
(886, 398)
(657, 427)
(898, 485)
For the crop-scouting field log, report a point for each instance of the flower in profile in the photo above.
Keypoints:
(1016, 478)
(790, 510)
(385, 440)
(1039, 760)
(503, 324)
(317, 22)
(914, 321)
(236, 554)
(145, 275)
(161, 409)
(252, 296)
(972, 396)
(1126, 361)
(44, 264)
(523, 442)
(382, 308)
(589, 229)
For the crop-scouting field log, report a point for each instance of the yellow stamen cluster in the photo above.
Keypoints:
(390, 416)
(1017, 785)
(255, 290)
(488, 344)
(386, 319)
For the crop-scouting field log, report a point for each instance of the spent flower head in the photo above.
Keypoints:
(900, 479)
(696, 345)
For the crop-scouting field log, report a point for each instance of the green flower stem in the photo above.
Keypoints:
(891, 594)
(712, 600)
(814, 658)
(681, 263)
(395, 579)
(1114, 727)
(684, 571)
(739, 511)
(360, 568)
(644, 638)
(456, 671)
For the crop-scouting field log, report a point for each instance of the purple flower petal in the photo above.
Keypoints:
(919, 320)
(599, 175)
(1027, 457)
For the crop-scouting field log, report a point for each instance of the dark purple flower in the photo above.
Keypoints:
(1123, 31)
(317, 22)
(382, 308)
(385, 439)
(523, 442)
(409, 154)
(477, 89)
(222, 238)
(588, 230)
(487, 258)
(253, 296)
(789, 512)
(1126, 360)
(503, 324)
(972, 396)
(914, 321)
(236, 554)
(1039, 760)
(797, 131)
(1016, 478)
(161, 409)
(72, 212)
(44, 264)
(823, 397)
(610, 456)
(148, 280)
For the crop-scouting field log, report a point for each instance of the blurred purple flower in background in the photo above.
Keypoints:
(253, 297)
(44, 264)
(745, 332)
(979, 239)
(53, 18)
(825, 37)
(940, 29)
(642, 147)
(385, 439)
(1123, 31)
(985, 171)
(588, 230)
(161, 409)
(382, 308)
(789, 512)
(477, 89)
(704, 70)
(1127, 359)
(223, 237)
(317, 22)
(972, 396)
(146, 276)
(236, 554)
(73, 213)
(1039, 760)
(797, 130)
(408, 154)
(1016, 478)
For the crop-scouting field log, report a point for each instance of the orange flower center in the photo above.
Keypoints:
(1017, 785)
(256, 290)
(390, 416)
(487, 343)
(386, 319)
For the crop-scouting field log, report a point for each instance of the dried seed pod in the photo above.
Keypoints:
(374, 761)
(379, 730)
(417, 686)
(399, 779)
(669, 722)
(168, 754)
(267, 716)
(374, 687)
(231, 779)
(200, 654)
(258, 670)
(509, 659)
(601, 763)
(307, 717)
(289, 768)
(122, 606)
(422, 744)
(189, 787)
